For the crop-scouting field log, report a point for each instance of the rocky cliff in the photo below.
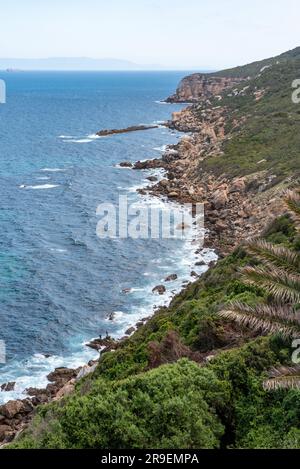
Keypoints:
(198, 86)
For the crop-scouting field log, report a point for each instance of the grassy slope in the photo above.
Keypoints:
(271, 131)
(253, 69)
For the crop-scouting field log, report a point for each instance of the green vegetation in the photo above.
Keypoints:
(213, 403)
(267, 137)
(191, 378)
(278, 275)
(253, 69)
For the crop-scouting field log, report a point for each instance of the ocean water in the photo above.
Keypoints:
(58, 281)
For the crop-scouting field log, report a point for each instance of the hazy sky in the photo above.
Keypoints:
(174, 33)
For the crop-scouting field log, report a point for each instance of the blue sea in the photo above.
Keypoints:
(58, 281)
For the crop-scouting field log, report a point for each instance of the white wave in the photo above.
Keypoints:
(66, 136)
(45, 178)
(94, 136)
(161, 149)
(52, 170)
(160, 102)
(80, 140)
(33, 372)
(39, 187)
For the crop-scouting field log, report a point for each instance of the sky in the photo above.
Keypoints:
(176, 34)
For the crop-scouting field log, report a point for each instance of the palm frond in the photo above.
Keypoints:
(283, 286)
(267, 319)
(292, 201)
(283, 378)
(278, 256)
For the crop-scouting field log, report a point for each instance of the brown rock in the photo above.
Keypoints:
(220, 226)
(171, 278)
(160, 289)
(220, 199)
(152, 178)
(6, 387)
(130, 331)
(66, 390)
(238, 185)
(125, 164)
(134, 128)
(194, 274)
(61, 374)
(12, 408)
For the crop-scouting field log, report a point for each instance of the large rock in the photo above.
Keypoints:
(86, 370)
(12, 408)
(134, 128)
(65, 391)
(6, 387)
(238, 185)
(220, 199)
(125, 164)
(61, 375)
(171, 278)
(159, 289)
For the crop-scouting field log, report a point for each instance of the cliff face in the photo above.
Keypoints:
(199, 87)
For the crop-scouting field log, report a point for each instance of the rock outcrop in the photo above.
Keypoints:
(134, 128)
(200, 86)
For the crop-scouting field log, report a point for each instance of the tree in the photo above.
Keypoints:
(278, 273)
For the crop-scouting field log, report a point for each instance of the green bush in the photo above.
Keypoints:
(170, 407)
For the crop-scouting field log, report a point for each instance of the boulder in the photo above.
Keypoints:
(238, 185)
(220, 199)
(130, 331)
(66, 390)
(220, 226)
(160, 289)
(152, 178)
(61, 374)
(12, 408)
(171, 278)
(164, 183)
(125, 164)
(6, 387)
(200, 263)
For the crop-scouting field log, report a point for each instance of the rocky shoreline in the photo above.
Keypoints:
(16, 414)
(236, 209)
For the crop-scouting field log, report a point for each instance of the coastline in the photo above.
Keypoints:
(17, 413)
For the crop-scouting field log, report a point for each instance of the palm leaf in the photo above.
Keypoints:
(267, 319)
(284, 287)
(292, 201)
(277, 256)
(283, 378)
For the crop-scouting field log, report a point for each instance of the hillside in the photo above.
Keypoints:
(189, 378)
(199, 85)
